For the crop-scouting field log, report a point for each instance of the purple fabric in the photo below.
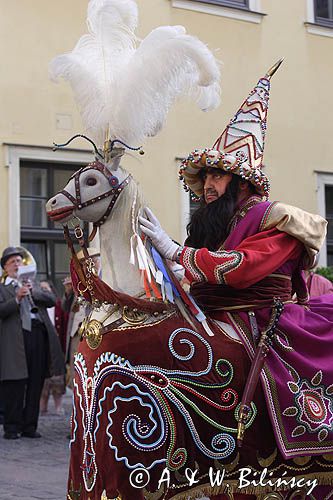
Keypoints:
(298, 374)
(318, 285)
(248, 226)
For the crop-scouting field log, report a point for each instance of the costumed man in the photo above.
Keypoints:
(243, 255)
(29, 348)
(76, 313)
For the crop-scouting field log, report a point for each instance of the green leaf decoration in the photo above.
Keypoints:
(316, 380)
(298, 431)
(293, 387)
(291, 411)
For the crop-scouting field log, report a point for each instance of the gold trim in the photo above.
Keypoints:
(324, 478)
(149, 325)
(247, 306)
(133, 317)
(277, 275)
(301, 460)
(273, 69)
(228, 467)
(328, 457)
(295, 495)
(267, 462)
(104, 497)
(237, 308)
(273, 496)
(92, 333)
(156, 495)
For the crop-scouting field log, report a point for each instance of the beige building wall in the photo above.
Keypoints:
(35, 112)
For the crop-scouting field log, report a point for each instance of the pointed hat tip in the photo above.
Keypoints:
(274, 68)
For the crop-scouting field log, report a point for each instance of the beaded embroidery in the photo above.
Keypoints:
(158, 392)
(235, 259)
(313, 407)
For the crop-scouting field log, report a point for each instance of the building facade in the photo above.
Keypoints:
(248, 36)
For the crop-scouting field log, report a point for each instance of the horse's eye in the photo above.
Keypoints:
(91, 181)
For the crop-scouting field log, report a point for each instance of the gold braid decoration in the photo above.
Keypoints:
(90, 329)
(104, 497)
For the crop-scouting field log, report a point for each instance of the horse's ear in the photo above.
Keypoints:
(114, 163)
(112, 155)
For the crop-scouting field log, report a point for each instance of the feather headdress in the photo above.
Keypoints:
(124, 88)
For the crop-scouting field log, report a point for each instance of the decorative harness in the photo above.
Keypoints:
(91, 329)
(115, 190)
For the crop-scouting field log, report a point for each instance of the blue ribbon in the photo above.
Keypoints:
(159, 264)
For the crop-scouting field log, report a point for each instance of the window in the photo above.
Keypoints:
(43, 238)
(325, 209)
(188, 208)
(242, 4)
(329, 217)
(323, 12)
(242, 10)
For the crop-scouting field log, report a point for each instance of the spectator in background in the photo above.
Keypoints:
(76, 313)
(29, 348)
(317, 284)
(54, 385)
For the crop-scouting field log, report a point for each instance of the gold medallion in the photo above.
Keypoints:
(82, 327)
(92, 333)
(133, 316)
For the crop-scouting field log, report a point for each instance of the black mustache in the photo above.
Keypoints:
(211, 191)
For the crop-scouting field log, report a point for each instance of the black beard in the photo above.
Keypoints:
(209, 225)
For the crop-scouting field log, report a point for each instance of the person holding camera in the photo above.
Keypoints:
(29, 347)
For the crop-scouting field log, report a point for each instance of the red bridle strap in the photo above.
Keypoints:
(113, 192)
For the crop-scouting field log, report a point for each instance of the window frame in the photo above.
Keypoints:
(15, 154)
(323, 179)
(49, 167)
(322, 21)
(313, 26)
(244, 5)
(224, 8)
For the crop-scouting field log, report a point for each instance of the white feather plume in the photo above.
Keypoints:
(126, 87)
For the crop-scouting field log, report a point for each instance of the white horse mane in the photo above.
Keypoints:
(128, 206)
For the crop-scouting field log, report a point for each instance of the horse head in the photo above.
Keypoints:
(91, 195)
(91, 192)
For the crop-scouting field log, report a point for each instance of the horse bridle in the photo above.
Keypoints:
(115, 190)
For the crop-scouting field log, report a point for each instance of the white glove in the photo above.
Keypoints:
(178, 270)
(161, 241)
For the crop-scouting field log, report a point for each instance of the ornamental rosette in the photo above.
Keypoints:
(313, 408)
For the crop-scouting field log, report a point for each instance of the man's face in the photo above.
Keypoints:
(12, 265)
(215, 184)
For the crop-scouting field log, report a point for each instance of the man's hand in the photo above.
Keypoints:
(27, 283)
(161, 241)
(23, 291)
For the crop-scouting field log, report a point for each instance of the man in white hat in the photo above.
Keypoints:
(29, 348)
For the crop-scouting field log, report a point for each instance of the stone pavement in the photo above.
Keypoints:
(36, 469)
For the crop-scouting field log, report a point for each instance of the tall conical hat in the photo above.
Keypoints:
(240, 147)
